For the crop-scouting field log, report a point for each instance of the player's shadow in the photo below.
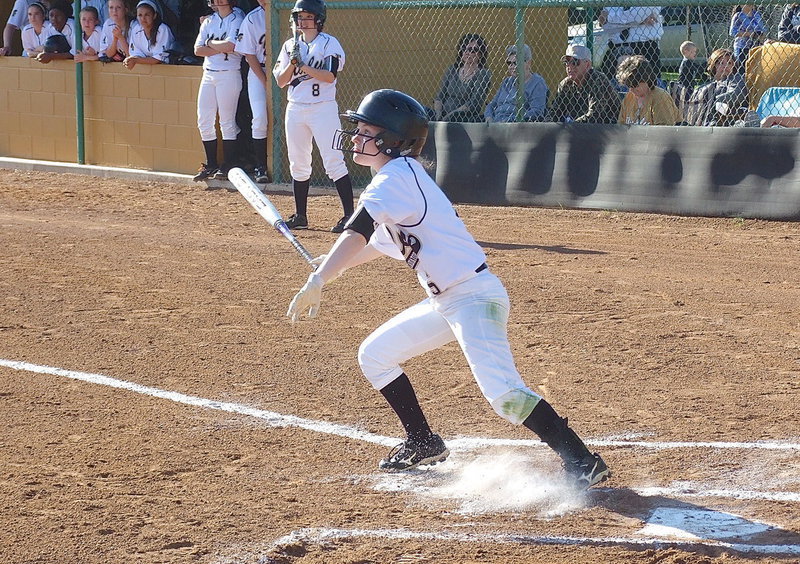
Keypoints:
(701, 530)
(560, 249)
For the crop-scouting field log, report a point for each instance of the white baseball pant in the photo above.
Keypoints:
(474, 313)
(258, 105)
(319, 122)
(219, 91)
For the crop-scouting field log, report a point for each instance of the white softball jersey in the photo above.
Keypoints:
(107, 36)
(140, 46)
(250, 41)
(68, 31)
(252, 34)
(303, 89)
(32, 40)
(19, 14)
(219, 29)
(94, 41)
(418, 224)
(466, 302)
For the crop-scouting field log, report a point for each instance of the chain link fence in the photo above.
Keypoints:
(418, 46)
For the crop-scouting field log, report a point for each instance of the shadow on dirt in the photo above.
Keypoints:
(560, 249)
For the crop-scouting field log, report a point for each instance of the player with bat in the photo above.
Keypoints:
(404, 214)
(309, 64)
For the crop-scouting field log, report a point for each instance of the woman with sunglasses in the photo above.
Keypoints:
(465, 84)
(586, 95)
(503, 106)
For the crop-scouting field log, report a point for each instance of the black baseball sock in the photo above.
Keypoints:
(400, 395)
(229, 153)
(211, 153)
(555, 432)
(300, 189)
(260, 152)
(344, 187)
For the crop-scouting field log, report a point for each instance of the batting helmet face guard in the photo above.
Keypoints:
(404, 122)
(316, 7)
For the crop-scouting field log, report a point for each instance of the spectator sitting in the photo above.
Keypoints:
(90, 36)
(586, 95)
(789, 29)
(114, 37)
(503, 106)
(691, 71)
(723, 100)
(150, 38)
(747, 29)
(61, 23)
(645, 103)
(36, 32)
(465, 84)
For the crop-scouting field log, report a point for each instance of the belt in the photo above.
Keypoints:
(220, 70)
(481, 268)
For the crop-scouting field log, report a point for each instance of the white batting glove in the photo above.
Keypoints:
(318, 261)
(307, 299)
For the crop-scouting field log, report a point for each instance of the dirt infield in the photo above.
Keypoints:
(159, 407)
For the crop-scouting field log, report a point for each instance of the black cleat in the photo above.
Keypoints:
(588, 471)
(339, 227)
(261, 175)
(205, 173)
(410, 454)
(221, 174)
(297, 222)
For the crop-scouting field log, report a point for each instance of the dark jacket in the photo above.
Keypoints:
(595, 101)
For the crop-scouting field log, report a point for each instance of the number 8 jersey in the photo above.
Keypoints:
(323, 52)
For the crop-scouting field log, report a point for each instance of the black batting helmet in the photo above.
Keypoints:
(316, 7)
(56, 44)
(404, 120)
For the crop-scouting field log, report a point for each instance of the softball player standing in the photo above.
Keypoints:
(402, 213)
(309, 67)
(250, 43)
(220, 85)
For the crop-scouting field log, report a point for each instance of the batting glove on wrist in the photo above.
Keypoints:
(294, 56)
(307, 299)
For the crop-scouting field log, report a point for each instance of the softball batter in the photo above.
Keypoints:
(250, 43)
(220, 85)
(402, 213)
(312, 112)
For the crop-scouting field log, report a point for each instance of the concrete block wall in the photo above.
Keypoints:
(142, 118)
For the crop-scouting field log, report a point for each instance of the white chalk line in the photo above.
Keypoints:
(348, 431)
(322, 535)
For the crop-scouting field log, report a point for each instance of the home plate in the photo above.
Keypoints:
(700, 524)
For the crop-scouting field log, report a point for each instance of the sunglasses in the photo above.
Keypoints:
(511, 63)
(570, 61)
(472, 50)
